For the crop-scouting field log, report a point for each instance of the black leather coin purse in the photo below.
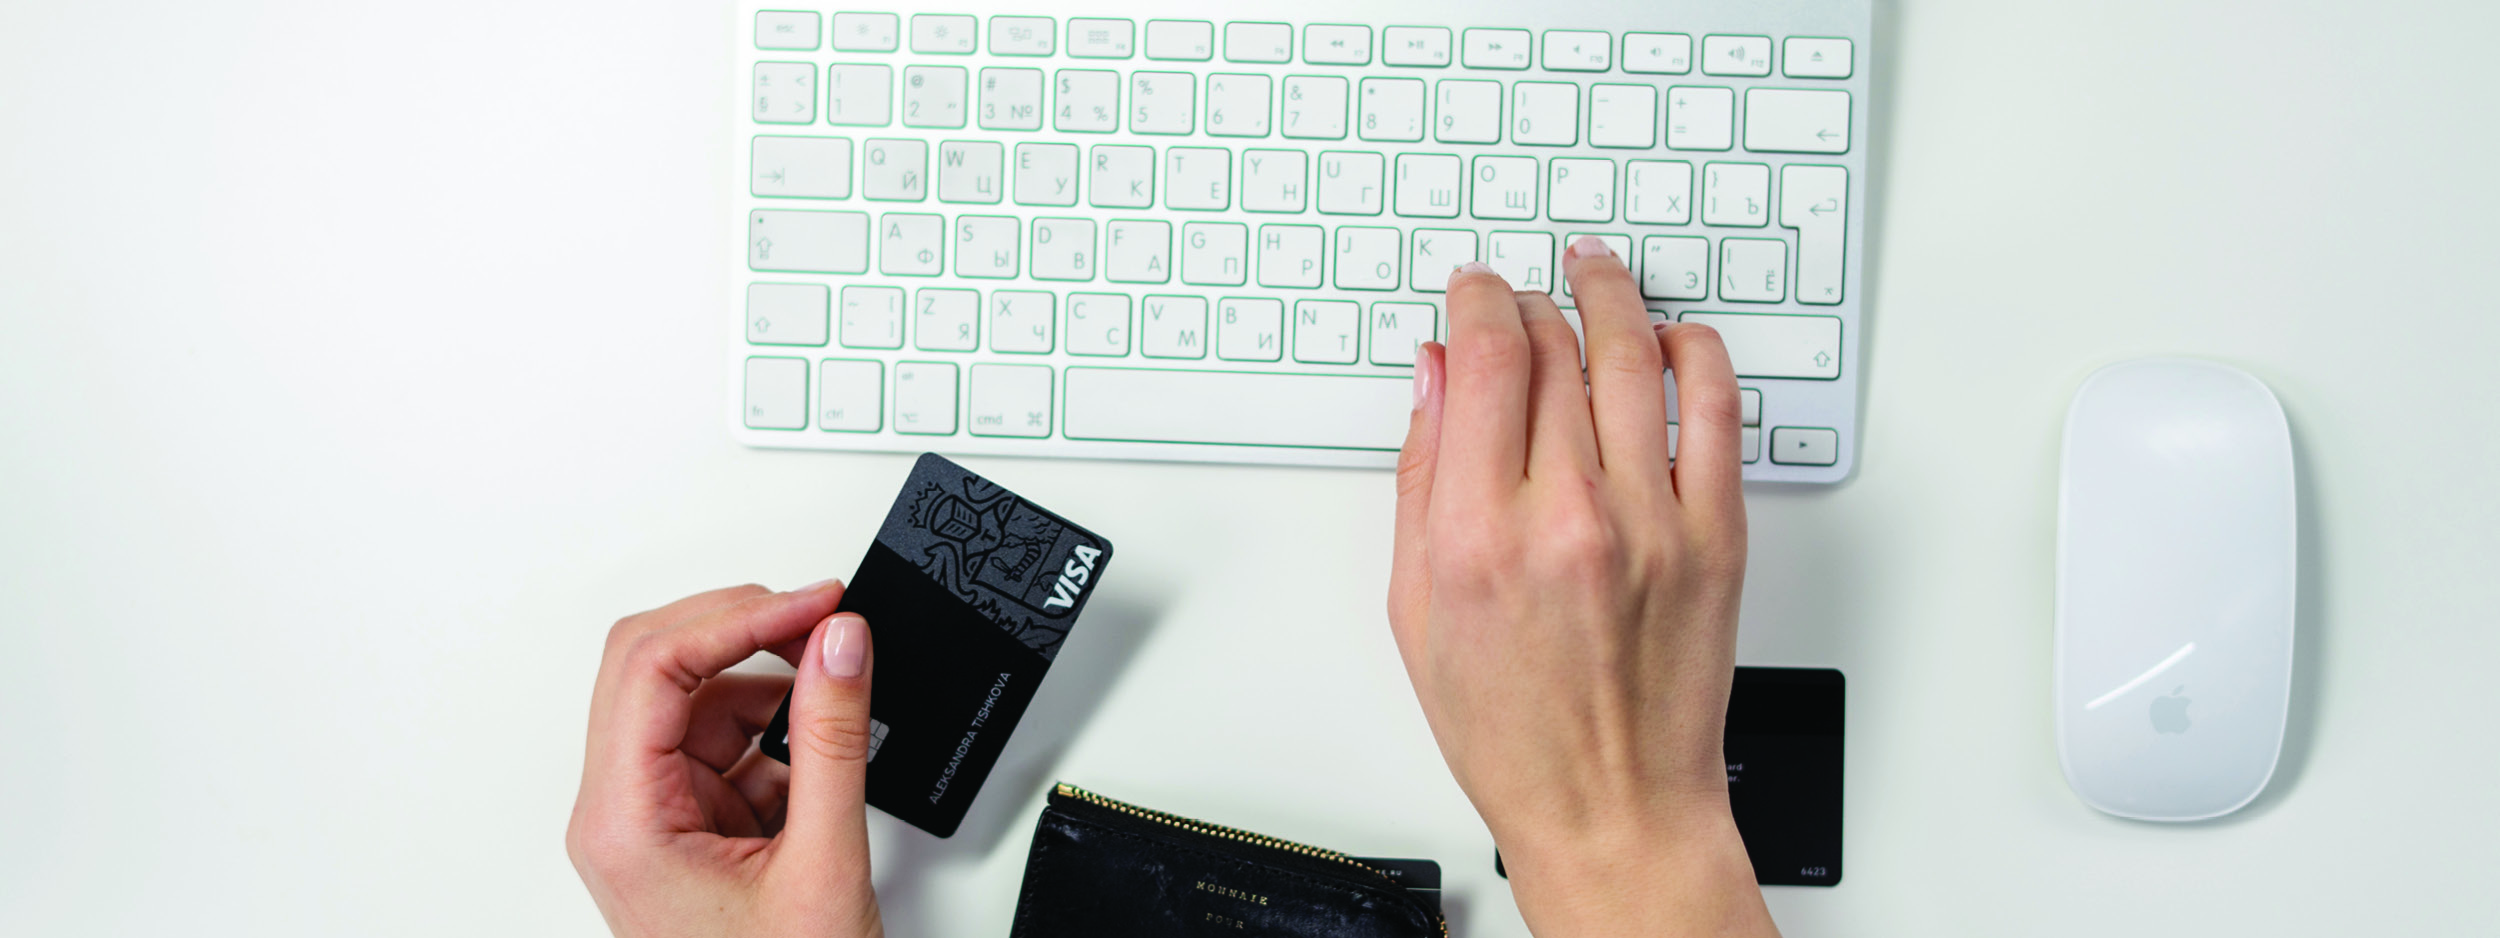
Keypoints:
(1104, 869)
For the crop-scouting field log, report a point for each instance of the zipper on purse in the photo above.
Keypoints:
(1236, 835)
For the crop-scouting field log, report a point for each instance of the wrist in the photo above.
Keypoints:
(1679, 871)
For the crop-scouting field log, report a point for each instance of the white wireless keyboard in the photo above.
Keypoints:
(1128, 230)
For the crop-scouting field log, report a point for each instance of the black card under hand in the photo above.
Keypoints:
(968, 591)
(1783, 750)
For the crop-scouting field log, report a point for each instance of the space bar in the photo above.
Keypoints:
(1243, 408)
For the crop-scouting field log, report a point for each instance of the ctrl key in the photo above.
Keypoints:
(776, 397)
(1804, 446)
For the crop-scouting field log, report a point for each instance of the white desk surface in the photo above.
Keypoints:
(359, 365)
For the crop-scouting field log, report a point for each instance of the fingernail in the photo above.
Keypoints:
(1474, 267)
(1589, 246)
(846, 645)
(1659, 327)
(1423, 375)
(824, 584)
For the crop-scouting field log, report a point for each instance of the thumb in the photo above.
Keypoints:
(826, 829)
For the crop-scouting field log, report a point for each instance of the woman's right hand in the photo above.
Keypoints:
(1564, 597)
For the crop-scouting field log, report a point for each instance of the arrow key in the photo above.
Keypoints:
(1804, 446)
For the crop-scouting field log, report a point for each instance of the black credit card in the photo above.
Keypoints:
(1420, 878)
(968, 591)
(1783, 749)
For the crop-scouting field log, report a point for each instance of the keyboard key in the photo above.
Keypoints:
(1237, 105)
(1315, 107)
(1138, 252)
(1736, 55)
(896, 170)
(1250, 329)
(1545, 113)
(1215, 254)
(1098, 324)
(1010, 400)
(924, 398)
(941, 33)
(1351, 183)
(971, 171)
(1525, 258)
(1736, 194)
(1416, 46)
(1088, 101)
(1804, 446)
(1020, 321)
(872, 317)
(1393, 109)
(1749, 407)
(808, 242)
(911, 245)
(946, 321)
(1258, 42)
(1046, 173)
(1438, 252)
(776, 394)
(1161, 102)
(1324, 331)
(1173, 327)
(1101, 38)
(1580, 190)
(1675, 268)
(1122, 177)
(1815, 201)
(860, 95)
(1063, 249)
(1753, 270)
(866, 32)
(801, 167)
(1271, 180)
(1749, 444)
(1289, 256)
(850, 395)
(787, 313)
(1700, 118)
(1337, 45)
(1658, 192)
(1428, 185)
(1367, 258)
(1495, 48)
(786, 29)
(1657, 53)
(1022, 35)
(1804, 57)
(1011, 99)
(1776, 346)
(1568, 50)
(1505, 187)
(1180, 40)
(1780, 120)
(986, 246)
(1623, 116)
(1398, 329)
(1621, 245)
(1468, 111)
(785, 93)
(1198, 178)
(933, 96)
(1168, 405)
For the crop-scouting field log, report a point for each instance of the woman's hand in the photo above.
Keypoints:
(682, 827)
(1565, 599)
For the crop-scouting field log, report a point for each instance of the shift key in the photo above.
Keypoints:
(1764, 345)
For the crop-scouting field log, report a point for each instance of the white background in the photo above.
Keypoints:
(359, 364)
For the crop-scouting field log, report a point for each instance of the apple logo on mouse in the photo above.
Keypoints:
(2170, 712)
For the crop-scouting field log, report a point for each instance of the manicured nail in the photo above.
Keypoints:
(1658, 327)
(1589, 246)
(1423, 376)
(1472, 267)
(824, 584)
(846, 645)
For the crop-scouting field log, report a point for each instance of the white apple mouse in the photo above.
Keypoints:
(2176, 566)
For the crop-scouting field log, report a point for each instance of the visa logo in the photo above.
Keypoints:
(1072, 577)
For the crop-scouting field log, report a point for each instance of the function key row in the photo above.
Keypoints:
(1561, 50)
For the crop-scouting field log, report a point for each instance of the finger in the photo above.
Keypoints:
(1409, 585)
(824, 839)
(765, 783)
(1559, 435)
(1485, 450)
(1627, 403)
(1708, 479)
(729, 711)
(643, 705)
(652, 620)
